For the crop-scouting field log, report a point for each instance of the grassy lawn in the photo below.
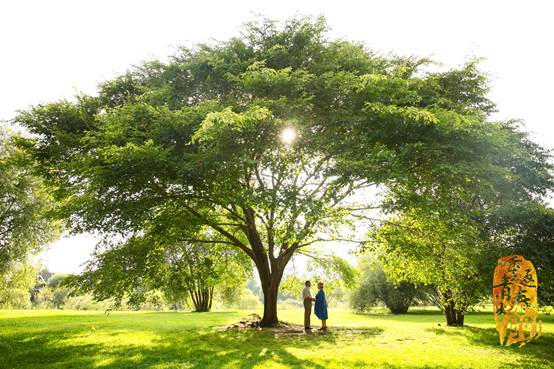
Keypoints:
(65, 339)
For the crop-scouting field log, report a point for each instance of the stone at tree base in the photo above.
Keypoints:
(251, 321)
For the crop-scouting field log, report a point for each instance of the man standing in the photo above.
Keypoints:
(308, 299)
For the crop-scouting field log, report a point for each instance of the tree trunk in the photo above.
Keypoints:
(270, 286)
(211, 298)
(460, 318)
(270, 304)
(202, 299)
(454, 317)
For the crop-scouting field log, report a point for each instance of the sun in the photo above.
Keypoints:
(288, 135)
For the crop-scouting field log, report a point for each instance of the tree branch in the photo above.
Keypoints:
(332, 240)
(234, 241)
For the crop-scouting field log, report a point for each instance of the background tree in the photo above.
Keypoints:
(56, 279)
(199, 269)
(239, 297)
(529, 231)
(374, 288)
(43, 276)
(432, 251)
(156, 262)
(263, 139)
(24, 202)
(16, 283)
(446, 228)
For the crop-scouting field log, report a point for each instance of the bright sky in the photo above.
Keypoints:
(51, 49)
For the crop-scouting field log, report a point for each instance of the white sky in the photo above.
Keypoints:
(51, 49)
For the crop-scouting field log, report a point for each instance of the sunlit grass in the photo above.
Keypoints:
(65, 339)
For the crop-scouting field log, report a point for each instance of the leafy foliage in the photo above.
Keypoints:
(448, 229)
(529, 231)
(434, 251)
(24, 203)
(374, 288)
(56, 279)
(16, 283)
(138, 267)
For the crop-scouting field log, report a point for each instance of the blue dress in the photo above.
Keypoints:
(320, 308)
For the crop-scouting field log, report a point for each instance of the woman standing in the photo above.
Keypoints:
(320, 308)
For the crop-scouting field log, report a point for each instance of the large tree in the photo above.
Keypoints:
(264, 139)
(448, 253)
(449, 226)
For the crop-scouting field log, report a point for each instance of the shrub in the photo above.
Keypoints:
(375, 288)
(15, 298)
(228, 296)
(44, 298)
(290, 303)
(56, 279)
(246, 300)
(59, 297)
(153, 300)
(85, 302)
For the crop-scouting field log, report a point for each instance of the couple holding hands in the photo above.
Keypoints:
(320, 309)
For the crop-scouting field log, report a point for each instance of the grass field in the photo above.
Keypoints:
(160, 340)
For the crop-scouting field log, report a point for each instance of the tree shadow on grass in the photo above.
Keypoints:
(35, 349)
(537, 352)
(185, 348)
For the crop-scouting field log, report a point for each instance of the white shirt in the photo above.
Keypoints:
(306, 293)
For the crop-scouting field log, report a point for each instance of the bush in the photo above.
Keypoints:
(290, 303)
(15, 298)
(44, 298)
(59, 297)
(56, 279)
(237, 298)
(246, 300)
(178, 305)
(228, 296)
(398, 298)
(153, 300)
(375, 288)
(85, 302)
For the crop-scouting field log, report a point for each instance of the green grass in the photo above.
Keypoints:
(65, 339)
